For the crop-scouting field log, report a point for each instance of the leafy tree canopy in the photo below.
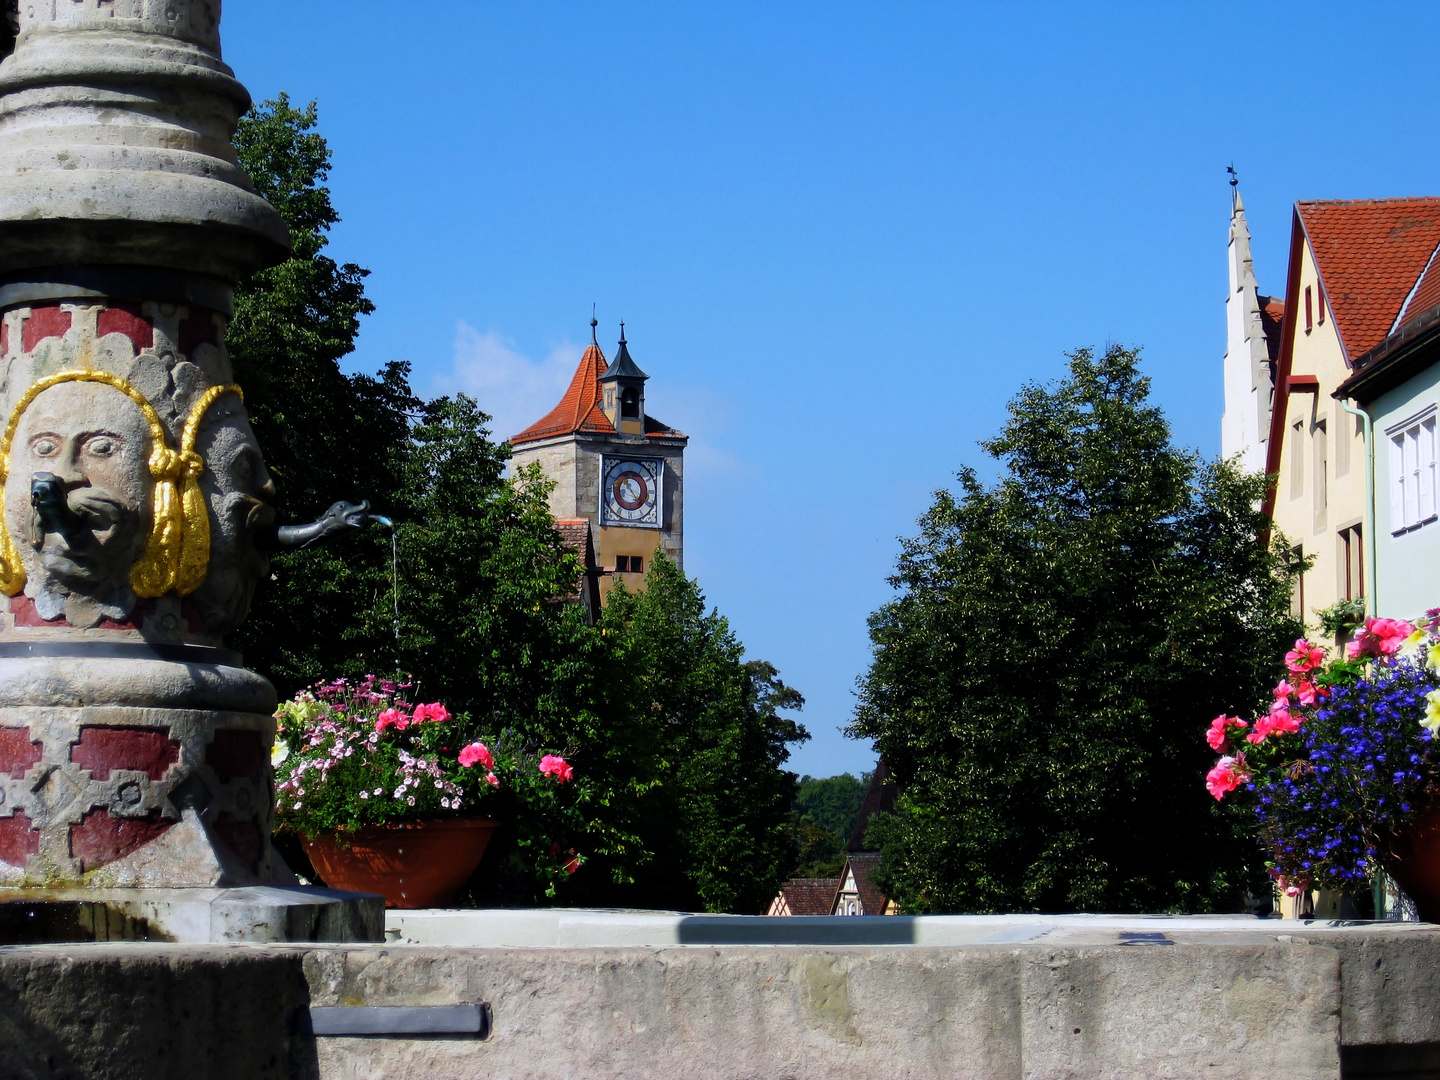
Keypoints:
(677, 741)
(1042, 682)
(721, 828)
(832, 802)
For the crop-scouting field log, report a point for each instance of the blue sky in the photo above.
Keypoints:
(841, 235)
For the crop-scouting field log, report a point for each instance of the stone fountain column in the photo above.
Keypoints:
(134, 747)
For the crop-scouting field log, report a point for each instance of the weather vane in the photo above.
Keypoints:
(1234, 176)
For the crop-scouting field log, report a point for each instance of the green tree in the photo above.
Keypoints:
(719, 824)
(832, 802)
(1042, 683)
(326, 435)
(676, 741)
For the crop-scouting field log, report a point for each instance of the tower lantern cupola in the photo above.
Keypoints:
(623, 392)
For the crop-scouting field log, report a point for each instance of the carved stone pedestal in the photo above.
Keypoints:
(134, 747)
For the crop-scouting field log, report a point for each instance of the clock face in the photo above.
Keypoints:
(630, 491)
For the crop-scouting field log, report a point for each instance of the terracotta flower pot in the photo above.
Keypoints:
(1414, 863)
(414, 864)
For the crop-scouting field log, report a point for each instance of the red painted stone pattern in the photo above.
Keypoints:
(101, 839)
(236, 753)
(17, 839)
(44, 322)
(242, 837)
(17, 752)
(198, 329)
(4, 337)
(23, 610)
(127, 319)
(102, 749)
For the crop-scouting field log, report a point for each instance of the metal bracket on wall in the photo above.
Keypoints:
(393, 1020)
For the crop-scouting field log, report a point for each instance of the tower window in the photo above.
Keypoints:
(1309, 311)
(1320, 304)
(630, 402)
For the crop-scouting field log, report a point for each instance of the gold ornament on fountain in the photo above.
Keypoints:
(177, 550)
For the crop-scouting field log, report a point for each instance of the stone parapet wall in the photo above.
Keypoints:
(1303, 1001)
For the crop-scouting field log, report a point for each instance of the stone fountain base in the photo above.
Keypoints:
(257, 914)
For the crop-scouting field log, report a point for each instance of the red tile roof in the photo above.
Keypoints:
(579, 409)
(1370, 253)
(809, 896)
(1426, 296)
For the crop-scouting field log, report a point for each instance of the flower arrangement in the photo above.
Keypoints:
(351, 754)
(1345, 757)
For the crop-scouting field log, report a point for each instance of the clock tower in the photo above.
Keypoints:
(612, 464)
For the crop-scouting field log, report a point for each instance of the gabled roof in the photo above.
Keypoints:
(1370, 253)
(872, 900)
(1424, 297)
(579, 409)
(808, 896)
(879, 798)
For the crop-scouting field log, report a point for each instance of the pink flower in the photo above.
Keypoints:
(1379, 637)
(492, 779)
(1283, 690)
(1307, 692)
(392, 718)
(1227, 775)
(477, 753)
(552, 765)
(1219, 734)
(1278, 721)
(434, 712)
(1304, 657)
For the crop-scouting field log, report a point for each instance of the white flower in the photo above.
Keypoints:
(375, 792)
(364, 794)
(411, 800)
(279, 752)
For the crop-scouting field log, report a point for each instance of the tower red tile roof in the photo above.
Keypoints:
(579, 409)
(1370, 253)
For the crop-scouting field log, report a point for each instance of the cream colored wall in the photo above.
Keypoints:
(1320, 354)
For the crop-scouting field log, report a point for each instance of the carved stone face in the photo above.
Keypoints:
(238, 490)
(96, 441)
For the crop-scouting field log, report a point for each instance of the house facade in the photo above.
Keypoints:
(1397, 385)
(613, 465)
(1353, 268)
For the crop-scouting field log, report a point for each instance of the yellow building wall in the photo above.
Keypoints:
(1321, 484)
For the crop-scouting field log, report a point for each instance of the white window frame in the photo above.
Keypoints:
(1413, 472)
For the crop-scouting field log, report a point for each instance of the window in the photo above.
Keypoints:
(637, 564)
(1352, 563)
(1412, 473)
(1297, 459)
(1309, 311)
(630, 402)
(1320, 304)
(1297, 590)
(1321, 473)
(622, 563)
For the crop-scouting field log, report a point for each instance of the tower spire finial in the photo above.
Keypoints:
(1234, 176)
(593, 324)
(622, 331)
